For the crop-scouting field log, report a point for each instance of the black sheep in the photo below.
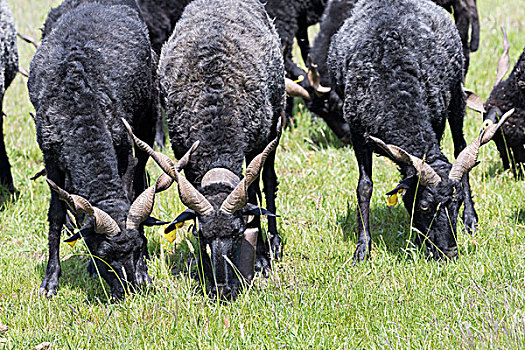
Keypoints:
(398, 66)
(506, 95)
(161, 17)
(467, 22)
(222, 78)
(292, 19)
(93, 68)
(328, 106)
(8, 70)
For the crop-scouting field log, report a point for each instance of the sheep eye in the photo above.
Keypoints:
(487, 123)
(423, 208)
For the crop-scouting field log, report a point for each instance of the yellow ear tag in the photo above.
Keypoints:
(172, 235)
(487, 123)
(72, 243)
(393, 199)
(299, 79)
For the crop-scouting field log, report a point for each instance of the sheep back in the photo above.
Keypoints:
(397, 63)
(222, 78)
(81, 85)
(8, 48)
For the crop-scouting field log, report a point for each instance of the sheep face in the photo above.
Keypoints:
(220, 237)
(436, 211)
(120, 260)
(492, 116)
(227, 246)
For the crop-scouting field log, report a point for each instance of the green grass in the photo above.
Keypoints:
(315, 298)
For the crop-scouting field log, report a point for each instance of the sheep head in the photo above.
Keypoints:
(434, 198)
(118, 249)
(221, 215)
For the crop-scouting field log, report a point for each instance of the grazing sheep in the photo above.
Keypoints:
(222, 79)
(68, 5)
(93, 68)
(398, 66)
(328, 105)
(506, 95)
(467, 22)
(292, 19)
(8, 70)
(161, 17)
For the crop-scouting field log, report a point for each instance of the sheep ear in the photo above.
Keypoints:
(151, 221)
(403, 185)
(184, 216)
(251, 209)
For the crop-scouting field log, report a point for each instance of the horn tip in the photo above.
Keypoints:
(128, 127)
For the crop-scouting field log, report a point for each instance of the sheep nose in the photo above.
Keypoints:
(451, 253)
(222, 291)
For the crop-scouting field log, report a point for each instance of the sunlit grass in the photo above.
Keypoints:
(315, 298)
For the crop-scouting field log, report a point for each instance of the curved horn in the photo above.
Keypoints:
(165, 162)
(192, 198)
(189, 195)
(295, 90)
(238, 198)
(143, 206)
(426, 173)
(468, 157)
(103, 222)
(503, 63)
(315, 79)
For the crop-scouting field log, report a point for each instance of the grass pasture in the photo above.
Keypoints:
(315, 298)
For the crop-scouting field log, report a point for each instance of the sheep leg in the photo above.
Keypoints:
(6, 179)
(470, 217)
(456, 116)
(364, 193)
(262, 256)
(56, 218)
(302, 41)
(270, 189)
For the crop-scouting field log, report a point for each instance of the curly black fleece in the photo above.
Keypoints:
(8, 70)
(222, 80)
(68, 5)
(508, 94)
(292, 18)
(160, 16)
(395, 78)
(337, 11)
(329, 106)
(93, 68)
(398, 65)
